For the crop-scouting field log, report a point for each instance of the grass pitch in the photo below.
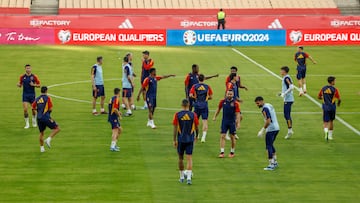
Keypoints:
(80, 167)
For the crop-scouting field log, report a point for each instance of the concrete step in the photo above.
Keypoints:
(44, 7)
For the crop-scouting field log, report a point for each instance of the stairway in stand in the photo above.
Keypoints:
(44, 7)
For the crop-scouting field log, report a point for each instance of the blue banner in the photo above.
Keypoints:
(226, 37)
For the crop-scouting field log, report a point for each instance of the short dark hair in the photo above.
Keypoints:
(259, 98)
(126, 59)
(201, 77)
(233, 68)
(232, 76)
(128, 54)
(194, 66)
(285, 68)
(146, 52)
(27, 65)
(99, 58)
(301, 47)
(221, 9)
(331, 79)
(152, 70)
(185, 102)
(116, 90)
(44, 89)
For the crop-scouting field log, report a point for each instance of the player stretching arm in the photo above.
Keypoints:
(300, 59)
(149, 88)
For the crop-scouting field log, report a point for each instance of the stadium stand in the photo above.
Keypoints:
(15, 6)
(199, 7)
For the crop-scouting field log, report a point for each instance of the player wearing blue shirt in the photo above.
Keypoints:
(201, 93)
(149, 87)
(230, 121)
(97, 80)
(113, 119)
(128, 84)
(43, 106)
(28, 82)
(271, 128)
(300, 59)
(185, 129)
(287, 94)
(329, 94)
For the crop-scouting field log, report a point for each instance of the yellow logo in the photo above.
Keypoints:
(41, 101)
(186, 117)
(300, 56)
(201, 88)
(328, 91)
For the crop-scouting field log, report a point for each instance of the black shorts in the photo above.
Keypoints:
(50, 123)
(185, 148)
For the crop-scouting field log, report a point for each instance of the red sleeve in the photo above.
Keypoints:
(210, 92)
(175, 119)
(20, 79)
(237, 107)
(320, 93)
(306, 55)
(196, 119)
(36, 78)
(50, 104)
(187, 80)
(227, 80)
(33, 105)
(221, 103)
(116, 103)
(145, 83)
(159, 77)
(337, 94)
(192, 90)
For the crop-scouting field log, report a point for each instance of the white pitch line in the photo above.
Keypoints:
(306, 95)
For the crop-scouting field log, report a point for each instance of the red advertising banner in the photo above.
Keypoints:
(26, 36)
(323, 37)
(110, 37)
(179, 22)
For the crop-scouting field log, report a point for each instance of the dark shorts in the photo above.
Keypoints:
(270, 137)
(185, 148)
(114, 123)
(100, 91)
(228, 125)
(151, 102)
(203, 113)
(301, 72)
(28, 98)
(50, 123)
(287, 110)
(329, 115)
(127, 92)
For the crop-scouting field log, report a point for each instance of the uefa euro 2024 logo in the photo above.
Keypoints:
(189, 37)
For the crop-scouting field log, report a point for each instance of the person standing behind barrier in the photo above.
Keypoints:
(221, 19)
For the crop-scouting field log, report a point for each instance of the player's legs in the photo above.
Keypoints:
(114, 139)
(269, 141)
(95, 96)
(126, 95)
(331, 124)
(102, 102)
(287, 116)
(181, 151)
(303, 79)
(151, 104)
(326, 119)
(299, 77)
(55, 130)
(26, 115)
(189, 150)
(232, 132)
(41, 139)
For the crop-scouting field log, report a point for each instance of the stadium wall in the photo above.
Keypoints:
(180, 30)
